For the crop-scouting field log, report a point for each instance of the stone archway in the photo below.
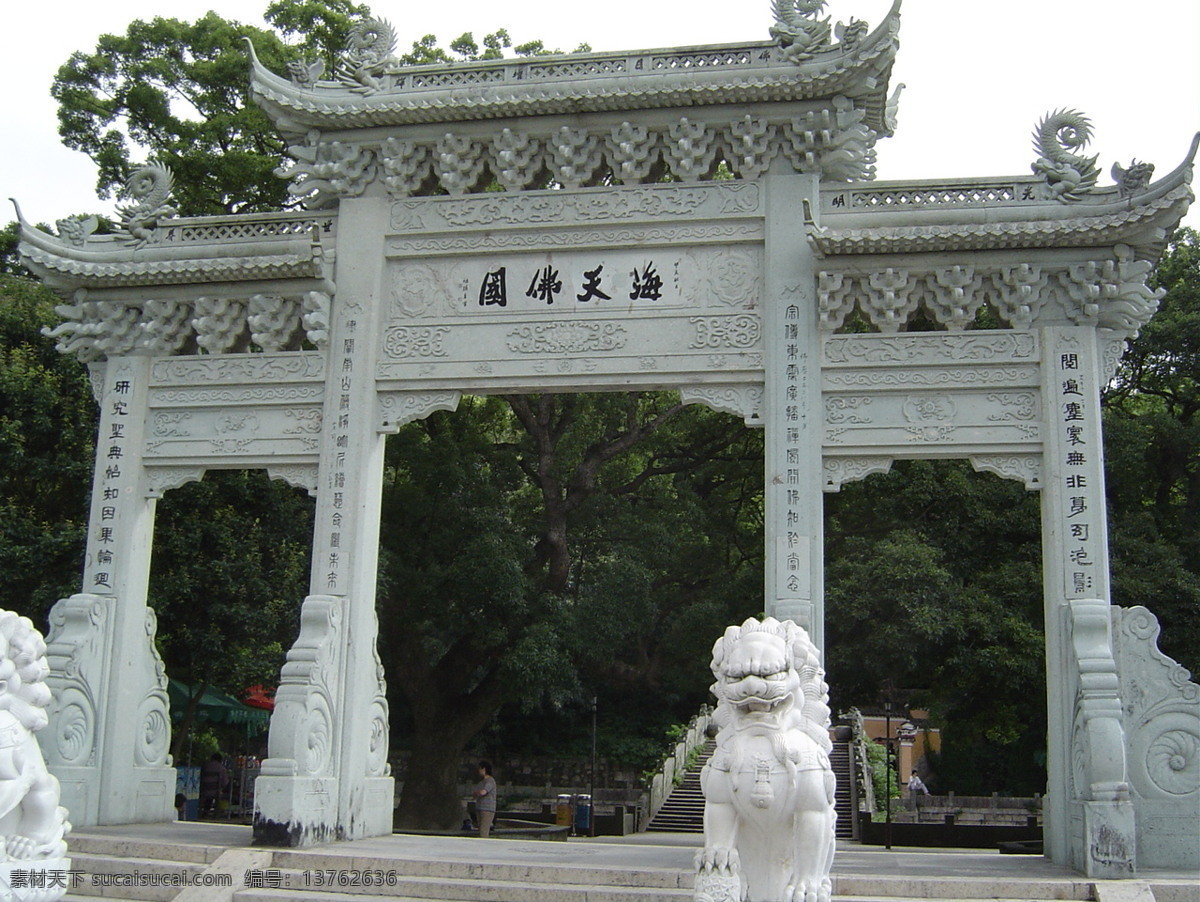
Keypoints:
(612, 259)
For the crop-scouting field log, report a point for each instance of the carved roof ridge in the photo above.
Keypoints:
(68, 274)
(646, 79)
(293, 232)
(1143, 219)
(1145, 226)
(239, 248)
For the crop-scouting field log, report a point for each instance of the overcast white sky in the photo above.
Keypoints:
(979, 73)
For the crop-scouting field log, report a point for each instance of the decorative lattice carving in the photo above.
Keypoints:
(407, 167)
(460, 164)
(517, 160)
(575, 157)
(691, 150)
(274, 322)
(633, 153)
(220, 325)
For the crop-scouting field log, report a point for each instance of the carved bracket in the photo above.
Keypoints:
(302, 737)
(160, 480)
(1026, 468)
(400, 407)
(840, 470)
(1162, 711)
(302, 476)
(80, 633)
(1107, 294)
(1098, 742)
(745, 401)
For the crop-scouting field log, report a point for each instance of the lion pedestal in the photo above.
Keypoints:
(33, 852)
(769, 790)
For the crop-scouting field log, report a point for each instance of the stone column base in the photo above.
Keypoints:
(1110, 840)
(303, 811)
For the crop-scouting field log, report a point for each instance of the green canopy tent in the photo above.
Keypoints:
(215, 707)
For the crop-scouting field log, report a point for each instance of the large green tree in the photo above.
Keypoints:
(1152, 440)
(176, 93)
(537, 553)
(47, 428)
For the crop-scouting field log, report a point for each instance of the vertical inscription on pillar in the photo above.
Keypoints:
(113, 478)
(793, 559)
(344, 373)
(1076, 415)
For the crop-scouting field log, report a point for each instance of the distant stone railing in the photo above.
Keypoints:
(674, 765)
(928, 194)
(860, 764)
(573, 66)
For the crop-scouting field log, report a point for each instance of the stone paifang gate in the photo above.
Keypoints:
(611, 259)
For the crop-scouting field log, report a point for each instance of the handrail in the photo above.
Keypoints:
(659, 785)
(860, 763)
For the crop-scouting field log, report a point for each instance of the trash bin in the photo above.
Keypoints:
(583, 813)
(562, 811)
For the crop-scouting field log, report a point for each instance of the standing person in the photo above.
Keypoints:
(214, 779)
(485, 798)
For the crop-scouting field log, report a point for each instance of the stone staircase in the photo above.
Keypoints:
(683, 811)
(106, 866)
(840, 761)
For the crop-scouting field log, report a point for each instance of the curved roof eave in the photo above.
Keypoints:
(1143, 220)
(862, 72)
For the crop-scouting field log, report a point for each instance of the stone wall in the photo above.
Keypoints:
(536, 779)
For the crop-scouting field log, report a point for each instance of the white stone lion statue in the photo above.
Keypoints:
(32, 823)
(768, 788)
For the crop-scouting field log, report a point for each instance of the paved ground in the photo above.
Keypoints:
(643, 850)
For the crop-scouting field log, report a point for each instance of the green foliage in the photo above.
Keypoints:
(322, 27)
(9, 238)
(176, 93)
(230, 568)
(464, 48)
(1152, 432)
(933, 595)
(47, 428)
(883, 783)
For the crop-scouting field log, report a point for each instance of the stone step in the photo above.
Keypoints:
(463, 889)
(897, 888)
(142, 879)
(299, 861)
(165, 850)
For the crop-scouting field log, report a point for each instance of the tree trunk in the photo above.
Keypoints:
(430, 800)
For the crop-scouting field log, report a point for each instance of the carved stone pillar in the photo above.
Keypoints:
(109, 732)
(794, 529)
(1089, 818)
(326, 776)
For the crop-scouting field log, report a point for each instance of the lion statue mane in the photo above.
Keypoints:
(769, 790)
(32, 823)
